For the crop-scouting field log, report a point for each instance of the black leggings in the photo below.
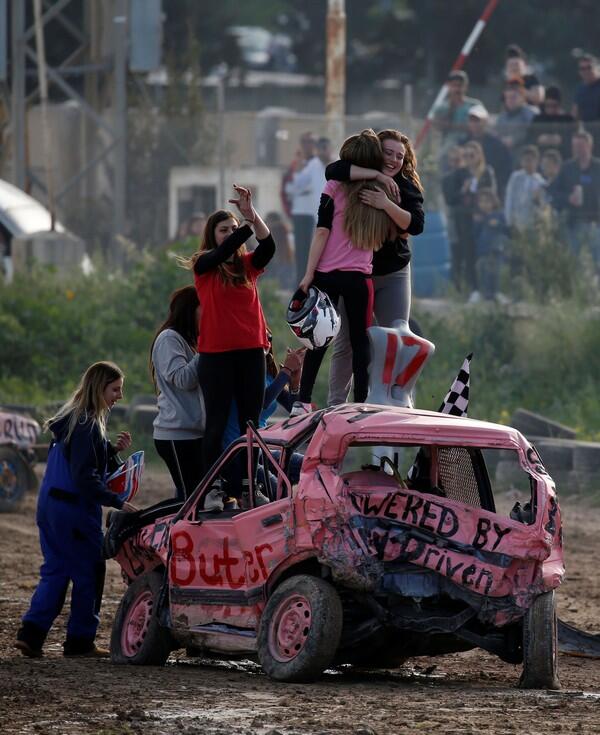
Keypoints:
(356, 289)
(225, 376)
(183, 457)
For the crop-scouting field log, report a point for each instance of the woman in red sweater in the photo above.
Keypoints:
(232, 338)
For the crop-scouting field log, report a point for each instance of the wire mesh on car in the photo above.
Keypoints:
(456, 476)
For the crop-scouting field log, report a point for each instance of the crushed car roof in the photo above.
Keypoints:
(336, 428)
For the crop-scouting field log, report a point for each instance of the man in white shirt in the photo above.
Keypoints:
(304, 191)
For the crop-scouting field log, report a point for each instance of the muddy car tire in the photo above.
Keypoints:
(540, 645)
(137, 638)
(14, 479)
(300, 629)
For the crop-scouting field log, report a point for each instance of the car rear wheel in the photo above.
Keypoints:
(137, 638)
(540, 645)
(14, 479)
(300, 629)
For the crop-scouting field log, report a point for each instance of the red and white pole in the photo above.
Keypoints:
(458, 64)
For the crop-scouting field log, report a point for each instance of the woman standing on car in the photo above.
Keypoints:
(179, 425)
(233, 334)
(402, 201)
(349, 229)
(69, 514)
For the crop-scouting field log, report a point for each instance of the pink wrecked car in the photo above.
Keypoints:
(387, 545)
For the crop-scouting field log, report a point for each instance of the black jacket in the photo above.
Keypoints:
(394, 255)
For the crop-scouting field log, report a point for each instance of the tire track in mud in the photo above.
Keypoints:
(458, 694)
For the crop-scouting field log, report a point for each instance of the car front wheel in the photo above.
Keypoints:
(540, 645)
(137, 638)
(300, 629)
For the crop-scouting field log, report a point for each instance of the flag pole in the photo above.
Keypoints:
(458, 64)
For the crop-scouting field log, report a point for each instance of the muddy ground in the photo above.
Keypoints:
(462, 693)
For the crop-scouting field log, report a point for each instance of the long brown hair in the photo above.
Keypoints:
(367, 227)
(87, 403)
(232, 274)
(409, 166)
(181, 319)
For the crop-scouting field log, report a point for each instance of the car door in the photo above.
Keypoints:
(219, 562)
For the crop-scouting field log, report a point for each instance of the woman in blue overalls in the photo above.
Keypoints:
(69, 514)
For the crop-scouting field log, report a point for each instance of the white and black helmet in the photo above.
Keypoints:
(313, 318)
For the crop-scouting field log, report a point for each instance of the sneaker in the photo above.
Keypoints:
(299, 408)
(214, 502)
(474, 298)
(28, 650)
(230, 504)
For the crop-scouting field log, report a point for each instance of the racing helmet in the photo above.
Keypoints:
(313, 318)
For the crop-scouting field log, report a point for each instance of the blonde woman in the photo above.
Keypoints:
(480, 175)
(402, 201)
(232, 337)
(69, 514)
(349, 229)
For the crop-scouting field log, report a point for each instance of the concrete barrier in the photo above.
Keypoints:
(534, 424)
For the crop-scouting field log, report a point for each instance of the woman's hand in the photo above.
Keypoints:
(390, 185)
(123, 441)
(294, 359)
(304, 284)
(244, 203)
(377, 199)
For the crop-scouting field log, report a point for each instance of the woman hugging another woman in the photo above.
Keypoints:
(340, 259)
(400, 197)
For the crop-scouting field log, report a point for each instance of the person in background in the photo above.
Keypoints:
(232, 336)
(391, 263)
(301, 201)
(550, 166)
(553, 127)
(586, 105)
(576, 192)
(283, 266)
(69, 515)
(179, 424)
(525, 191)
(459, 216)
(480, 176)
(450, 117)
(513, 121)
(496, 153)
(515, 67)
(491, 244)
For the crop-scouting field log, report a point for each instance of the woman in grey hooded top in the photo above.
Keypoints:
(179, 426)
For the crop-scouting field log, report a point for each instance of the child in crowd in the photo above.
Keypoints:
(524, 192)
(69, 515)
(491, 240)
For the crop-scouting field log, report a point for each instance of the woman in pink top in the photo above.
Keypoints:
(339, 262)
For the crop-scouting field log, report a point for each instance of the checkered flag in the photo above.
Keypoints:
(456, 402)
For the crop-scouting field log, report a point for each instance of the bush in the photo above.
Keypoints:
(53, 325)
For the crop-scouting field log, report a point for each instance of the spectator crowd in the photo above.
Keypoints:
(503, 175)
